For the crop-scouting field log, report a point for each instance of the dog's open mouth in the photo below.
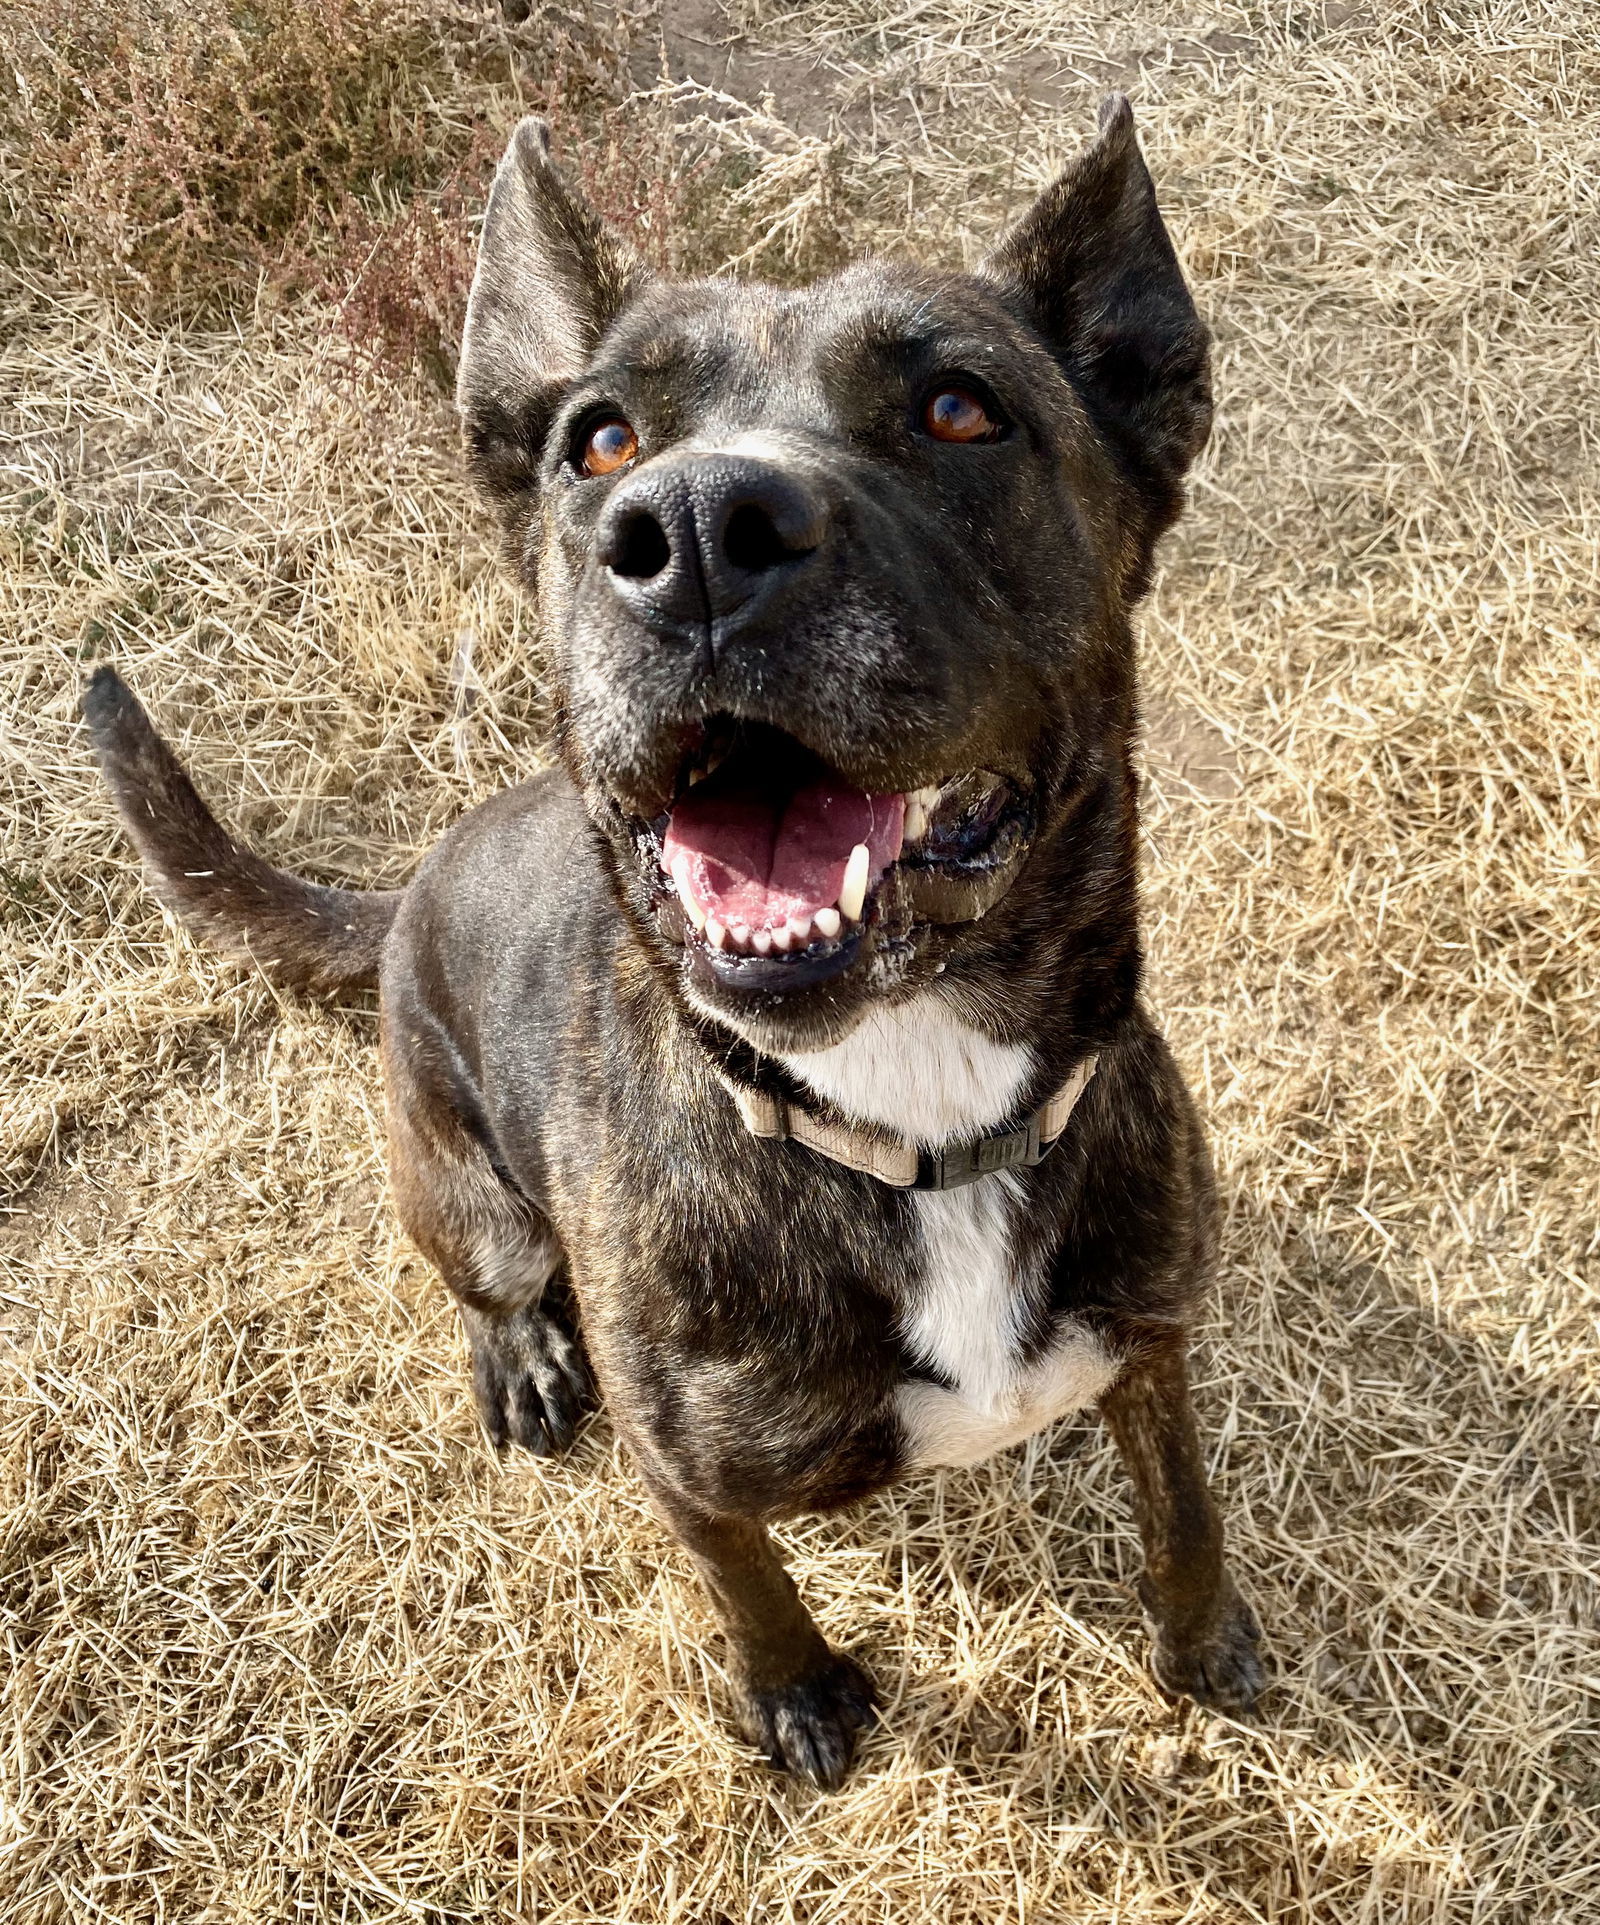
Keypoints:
(774, 864)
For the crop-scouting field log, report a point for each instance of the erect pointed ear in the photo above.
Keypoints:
(1099, 280)
(550, 279)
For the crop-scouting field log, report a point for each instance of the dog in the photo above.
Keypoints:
(785, 1038)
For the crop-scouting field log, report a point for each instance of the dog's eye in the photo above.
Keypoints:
(609, 445)
(956, 414)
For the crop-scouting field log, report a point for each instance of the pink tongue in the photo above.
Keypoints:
(747, 858)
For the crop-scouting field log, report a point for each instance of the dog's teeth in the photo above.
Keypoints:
(696, 775)
(829, 922)
(920, 804)
(799, 930)
(761, 941)
(739, 932)
(782, 936)
(853, 890)
(692, 909)
(716, 935)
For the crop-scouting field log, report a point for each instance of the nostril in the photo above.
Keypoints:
(751, 541)
(641, 548)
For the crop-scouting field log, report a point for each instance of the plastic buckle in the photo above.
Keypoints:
(956, 1165)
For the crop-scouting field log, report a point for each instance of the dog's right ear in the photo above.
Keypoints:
(1096, 273)
(550, 279)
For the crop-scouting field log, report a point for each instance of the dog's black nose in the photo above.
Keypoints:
(692, 540)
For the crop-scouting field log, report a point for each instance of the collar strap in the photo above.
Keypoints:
(902, 1165)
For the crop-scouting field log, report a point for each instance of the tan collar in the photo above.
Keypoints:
(902, 1165)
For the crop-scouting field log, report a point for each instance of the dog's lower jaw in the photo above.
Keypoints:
(823, 1021)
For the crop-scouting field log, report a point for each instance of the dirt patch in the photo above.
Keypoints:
(1181, 746)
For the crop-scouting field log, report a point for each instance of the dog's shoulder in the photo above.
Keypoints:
(536, 828)
(520, 866)
(508, 921)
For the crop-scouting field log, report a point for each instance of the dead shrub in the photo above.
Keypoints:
(401, 275)
(183, 159)
(186, 159)
(401, 280)
(174, 154)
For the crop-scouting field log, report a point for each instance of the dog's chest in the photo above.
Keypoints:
(920, 1071)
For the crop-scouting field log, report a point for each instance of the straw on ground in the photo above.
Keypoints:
(282, 1640)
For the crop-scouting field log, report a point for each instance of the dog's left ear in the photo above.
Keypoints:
(550, 279)
(1099, 280)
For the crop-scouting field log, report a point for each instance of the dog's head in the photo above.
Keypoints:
(837, 579)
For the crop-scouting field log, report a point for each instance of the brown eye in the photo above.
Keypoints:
(956, 414)
(608, 446)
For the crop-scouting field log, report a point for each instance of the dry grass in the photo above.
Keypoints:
(284, 1642)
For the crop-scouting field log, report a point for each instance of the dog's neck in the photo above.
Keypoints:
(917, 1069)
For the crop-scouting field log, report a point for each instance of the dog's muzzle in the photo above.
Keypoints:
(705, 547)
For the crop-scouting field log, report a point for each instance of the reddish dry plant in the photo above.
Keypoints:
(401, 282)
(172, 156)
(182, 158)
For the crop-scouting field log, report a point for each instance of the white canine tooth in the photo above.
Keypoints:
(781, 938)
(829, 922)
(761, 941)
(853, 890)
(799, 931)
(696, 775)
(682, 882)
(716, 935)
(920, 805)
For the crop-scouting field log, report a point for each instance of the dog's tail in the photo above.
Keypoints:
(304, 935)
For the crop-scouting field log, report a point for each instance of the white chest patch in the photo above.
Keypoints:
(922, 1072)
(964, 1321)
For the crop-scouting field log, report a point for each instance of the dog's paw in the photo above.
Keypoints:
(1221, 1665)
(809, 1727)
(532, 1382)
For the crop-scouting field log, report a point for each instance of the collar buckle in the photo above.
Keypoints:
(955, 1165)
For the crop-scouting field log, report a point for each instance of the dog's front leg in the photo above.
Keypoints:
(1205, 1639)
(798, 1701)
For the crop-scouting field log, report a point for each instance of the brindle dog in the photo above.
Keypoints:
(748, 1035)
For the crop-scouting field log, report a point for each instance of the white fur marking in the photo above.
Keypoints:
(512, 1270)
(942, 1427)
(964, 1323)
(763, 446)
(917, 1069)
(964, 1319)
